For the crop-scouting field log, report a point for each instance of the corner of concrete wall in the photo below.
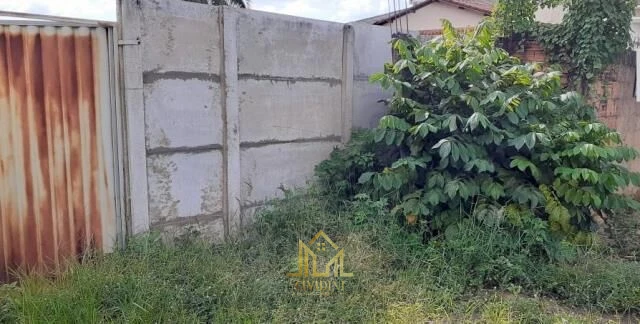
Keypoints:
(347, 82)
(133, 99)
(231, 115)
(372, 49)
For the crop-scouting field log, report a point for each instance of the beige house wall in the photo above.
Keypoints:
(430, 16)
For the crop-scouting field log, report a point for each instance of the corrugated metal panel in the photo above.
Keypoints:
(56, 198)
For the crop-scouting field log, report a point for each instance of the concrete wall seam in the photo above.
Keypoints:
(131, 25)
(347, 83)
(231, 113)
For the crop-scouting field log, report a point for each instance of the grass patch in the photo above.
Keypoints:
(397, 278)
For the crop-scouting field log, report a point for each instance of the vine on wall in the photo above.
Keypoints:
(591, 36)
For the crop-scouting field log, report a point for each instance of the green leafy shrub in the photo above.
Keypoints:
(366, 210)
(475, 129)
(338, 175)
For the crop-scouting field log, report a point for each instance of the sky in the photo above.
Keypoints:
(332, 10)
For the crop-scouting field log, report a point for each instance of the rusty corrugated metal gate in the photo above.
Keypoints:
(56, 152)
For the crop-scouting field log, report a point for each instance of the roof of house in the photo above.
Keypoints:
(485, 7)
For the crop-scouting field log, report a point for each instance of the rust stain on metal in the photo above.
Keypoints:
(55, 192)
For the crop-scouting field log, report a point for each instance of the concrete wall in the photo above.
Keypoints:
(224, 106)
(290, 86)
(371, 46)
